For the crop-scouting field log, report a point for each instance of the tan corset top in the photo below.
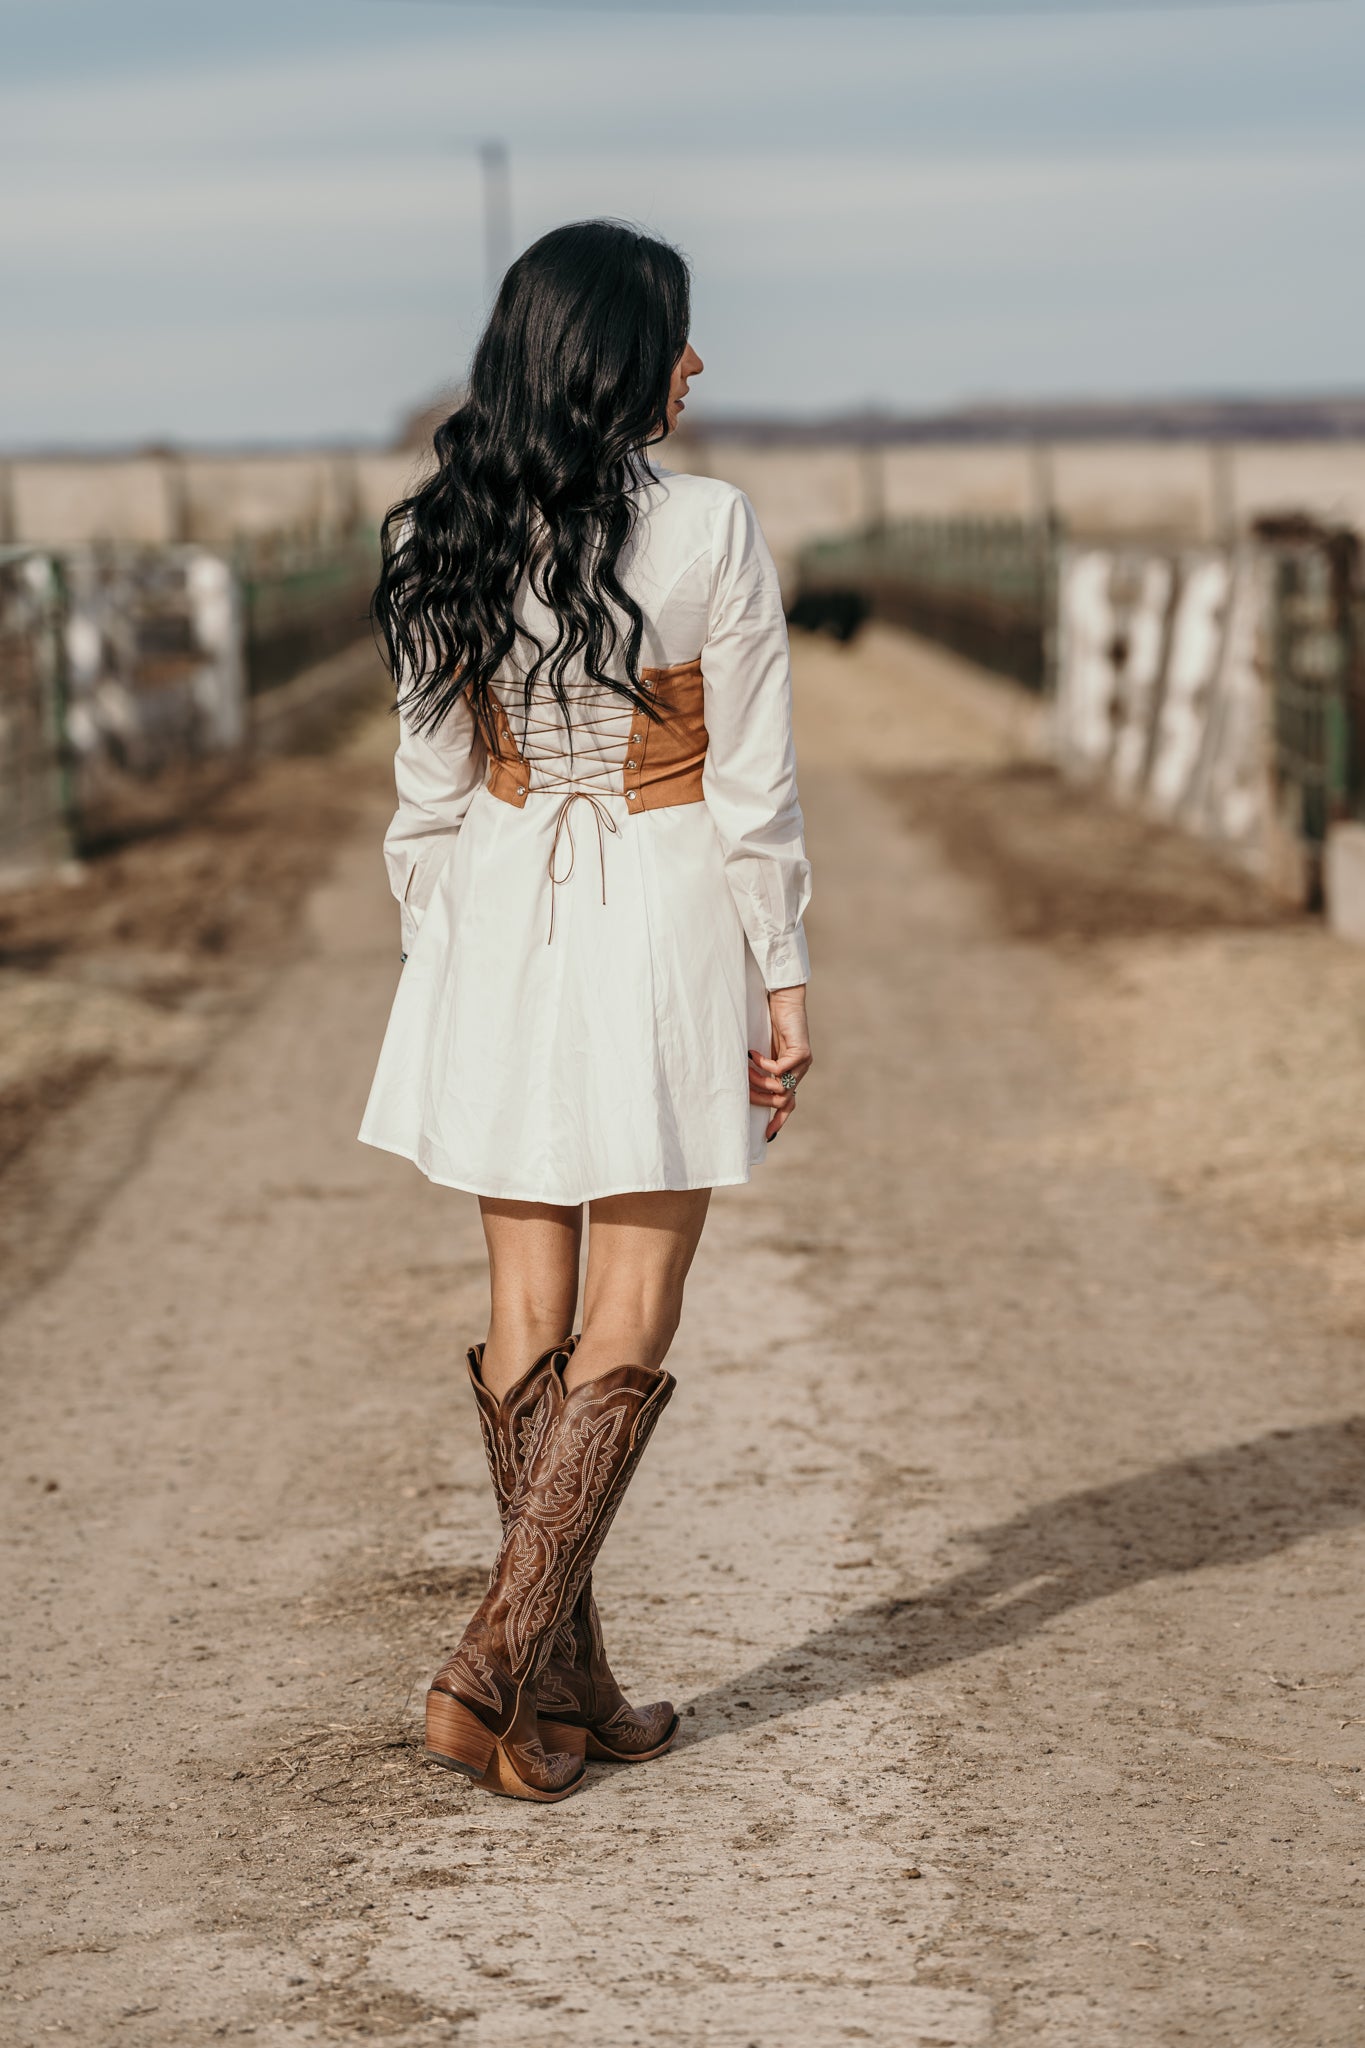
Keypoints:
(618, 752)
(660, 764)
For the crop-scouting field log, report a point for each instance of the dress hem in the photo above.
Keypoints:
(558, 1201)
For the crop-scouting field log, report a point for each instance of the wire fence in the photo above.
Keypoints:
(301, 601)
(1316, 646)
(1185, 665)
(985, 587)
(34, 791)
(128, 673)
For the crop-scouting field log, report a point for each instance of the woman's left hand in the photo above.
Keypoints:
(791, 1055)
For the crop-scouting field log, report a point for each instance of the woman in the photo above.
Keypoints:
(598, 852)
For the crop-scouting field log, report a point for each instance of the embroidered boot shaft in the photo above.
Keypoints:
(481, 1709)
(577, 1689)
(510, 1425)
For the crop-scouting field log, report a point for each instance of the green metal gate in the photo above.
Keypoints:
(34, 793)
(302, 600)
(1317, 686)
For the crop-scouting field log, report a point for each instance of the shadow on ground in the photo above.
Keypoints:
(1227, 1507)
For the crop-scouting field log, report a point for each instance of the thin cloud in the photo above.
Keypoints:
(906, 210)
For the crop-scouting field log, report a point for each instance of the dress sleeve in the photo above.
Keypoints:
(436, 776)
(749, 778)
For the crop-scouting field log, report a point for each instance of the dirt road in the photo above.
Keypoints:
(1002, 1545)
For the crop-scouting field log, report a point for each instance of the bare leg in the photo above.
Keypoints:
(533, 1252)
(639, 1250)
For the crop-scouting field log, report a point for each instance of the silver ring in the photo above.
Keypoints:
(788, 1081)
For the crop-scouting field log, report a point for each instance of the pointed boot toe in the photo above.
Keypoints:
(632, 1735)
(577, 1691)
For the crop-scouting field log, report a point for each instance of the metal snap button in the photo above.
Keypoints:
(521, 792)
(632, 794)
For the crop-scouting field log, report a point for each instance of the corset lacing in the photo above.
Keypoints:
(605, 726)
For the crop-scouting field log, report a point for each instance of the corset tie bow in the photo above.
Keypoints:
(603, 819)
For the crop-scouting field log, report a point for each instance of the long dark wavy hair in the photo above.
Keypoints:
(568, 387)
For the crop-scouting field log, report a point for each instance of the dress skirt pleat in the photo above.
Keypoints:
(610, 1060)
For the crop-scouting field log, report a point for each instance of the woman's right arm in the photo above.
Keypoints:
(436, 776)
(749, 780)
(749, 776)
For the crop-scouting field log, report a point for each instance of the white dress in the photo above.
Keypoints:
(610, 1056)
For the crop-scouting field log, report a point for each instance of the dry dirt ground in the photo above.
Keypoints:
(1002, 1545)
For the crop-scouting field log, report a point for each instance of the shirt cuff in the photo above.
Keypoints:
(784, 962)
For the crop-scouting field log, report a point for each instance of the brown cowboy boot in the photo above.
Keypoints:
(481, 1709)
(577, 1696)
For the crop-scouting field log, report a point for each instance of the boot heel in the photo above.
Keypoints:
(559, 1735)
(457, 1738)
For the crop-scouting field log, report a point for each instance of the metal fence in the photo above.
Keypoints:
(981, 586)
(1316, 642)
(124, 670)
(301, 601)
(154, 681)
(1215, 683)
(34, 789)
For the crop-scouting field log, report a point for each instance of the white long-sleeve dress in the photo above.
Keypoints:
(561, 1042)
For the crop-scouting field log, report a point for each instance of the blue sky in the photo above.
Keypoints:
(251, 222)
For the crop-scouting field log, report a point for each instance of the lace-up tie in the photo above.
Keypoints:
(618, 752)
(564, 827)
